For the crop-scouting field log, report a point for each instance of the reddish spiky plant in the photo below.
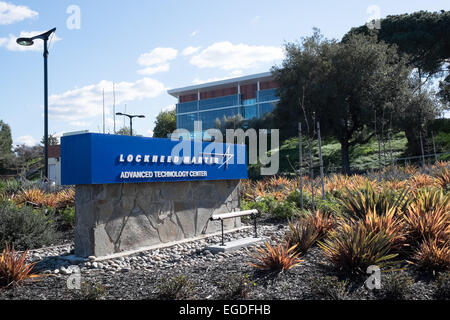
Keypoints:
(433, 255)
(280, 258)
(14, 269)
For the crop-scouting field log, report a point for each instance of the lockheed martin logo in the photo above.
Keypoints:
(227, 156)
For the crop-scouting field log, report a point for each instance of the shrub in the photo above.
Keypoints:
(280, 258)
(178, 288)
(284, 210)
(442, 286)
(324, 223)
(307, 230)
(388, 223)
(420, 180)
(396, 286)
(14, 269)
(427, 217)
(39, 198)
(357, 203)
(25, 228)
(432, 255)
(303, 234)
(263, 205)
(353, 248)
(9, 187)
(443, 178)
(329, 288)
(328, 205)
(236, 286)
(68, 217)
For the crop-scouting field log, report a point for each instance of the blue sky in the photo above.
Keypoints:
(148, 47)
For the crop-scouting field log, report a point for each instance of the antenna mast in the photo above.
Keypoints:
(114, 108)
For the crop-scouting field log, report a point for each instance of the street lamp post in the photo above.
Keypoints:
(29, 42)
(131, 119)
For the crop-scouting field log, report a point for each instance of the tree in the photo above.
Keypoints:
(6, 153)
(342, 85)
(29, 160)
(165, 124)
(422, 36)
(5, 139)
(125, 131)
(52, 140)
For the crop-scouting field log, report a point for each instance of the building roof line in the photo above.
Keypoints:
(176, 92)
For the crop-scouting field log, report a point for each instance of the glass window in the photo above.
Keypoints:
(249, 102)
(209, 118)
(187, 107)
(186, 121)
(221, 102)
(250, 112)
(268, 95)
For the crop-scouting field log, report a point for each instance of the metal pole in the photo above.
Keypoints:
(131, 126)
(421, 146)
(321, 160)
(45, 111)
(254, 221)
(312, 174)
(300, 152)
(103, 111)
(390, 150)
(434, 147)
(114, 108)
(223, 243)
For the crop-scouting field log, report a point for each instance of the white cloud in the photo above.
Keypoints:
(152, 70)
(157, 56)
(236, 73)
(11, 44)
(193, 33)
(84, 124)
(10, 13)
(26, 140)
(149, 133)
(156, 60)
(190, 51)
(79, 105)
(227, 56)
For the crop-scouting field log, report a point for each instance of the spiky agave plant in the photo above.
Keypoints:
(387, 222)
(357, 203)
(443, 179)
(14, 269)
(433, 255)
(303, 234)
(352, 247)
(280, 258)
(428, 217)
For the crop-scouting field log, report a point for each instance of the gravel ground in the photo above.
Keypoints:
(140, 276)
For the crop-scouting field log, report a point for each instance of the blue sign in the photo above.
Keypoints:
(92, 158)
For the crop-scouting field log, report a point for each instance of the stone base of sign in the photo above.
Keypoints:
(114, 218)
(234, 245)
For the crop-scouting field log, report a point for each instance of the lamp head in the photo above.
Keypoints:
(25, 42)
(141, 116)
(119, 114)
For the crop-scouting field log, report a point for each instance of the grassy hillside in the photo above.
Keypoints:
(362, 157)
